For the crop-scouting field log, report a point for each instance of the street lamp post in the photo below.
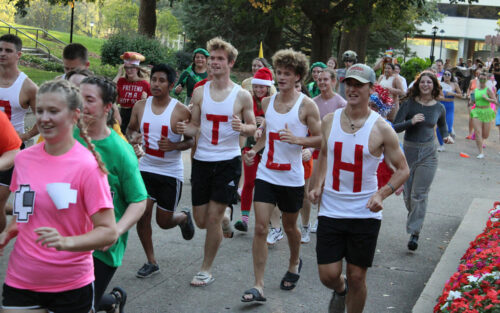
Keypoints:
(434, 32)
(406, 47)
(441, 32)
(184, 41)
(91, 26)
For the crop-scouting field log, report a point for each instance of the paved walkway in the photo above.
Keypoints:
(394, 283)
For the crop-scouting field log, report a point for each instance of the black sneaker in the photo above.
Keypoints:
(337, 302)
(241, 226)
(148, 270)
(187, 229)
(413, 242)
(120, 297)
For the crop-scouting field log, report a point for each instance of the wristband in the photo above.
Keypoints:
(261, 128)
(392, 187)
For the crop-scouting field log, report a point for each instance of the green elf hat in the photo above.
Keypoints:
(318, 64)
(201, 51)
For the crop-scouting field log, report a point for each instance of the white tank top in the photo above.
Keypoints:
(152, 128)
(218, 141)
(351, 176)
(386, 82)
(281, 162)
(10, 104)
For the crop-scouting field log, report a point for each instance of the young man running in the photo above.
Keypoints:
(353, 141)
(154, 124)
(17, 96)
(75, 57)
(218, 110)
(280, 175)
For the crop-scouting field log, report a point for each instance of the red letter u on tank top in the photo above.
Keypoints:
(356, 168)
(270, 154)
(216, 119)
(148, 150)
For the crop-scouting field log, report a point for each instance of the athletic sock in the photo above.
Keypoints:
(244, 218)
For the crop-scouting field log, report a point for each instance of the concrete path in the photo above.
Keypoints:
(394, 283)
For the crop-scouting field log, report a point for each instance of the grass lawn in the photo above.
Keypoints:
(38, 76)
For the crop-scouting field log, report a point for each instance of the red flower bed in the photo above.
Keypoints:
(475, 287)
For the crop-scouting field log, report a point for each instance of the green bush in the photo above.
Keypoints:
(152, 49)
(105, 70)
(413, 66)
(43, 63)
(183, 59)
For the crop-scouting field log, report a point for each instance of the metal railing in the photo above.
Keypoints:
(41, 30)
(37, 43)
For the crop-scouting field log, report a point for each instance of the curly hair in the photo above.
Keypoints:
(218, 43)
(292, 59)
(436, 87)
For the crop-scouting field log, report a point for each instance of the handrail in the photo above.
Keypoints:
(28, 36)
(43, 31)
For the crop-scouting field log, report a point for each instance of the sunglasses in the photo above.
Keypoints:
(447, 74)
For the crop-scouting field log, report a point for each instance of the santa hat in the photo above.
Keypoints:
(133, 58)
(263, 77)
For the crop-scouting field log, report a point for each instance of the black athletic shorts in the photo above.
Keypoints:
(288, 199)
(354, 239)
(6, 176)
(164, 190)
(72, 301)
(216, 181)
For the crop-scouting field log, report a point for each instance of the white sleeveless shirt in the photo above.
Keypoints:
(281, 162)
(10, 104)
(218, 141)
(387, 82)
(153, 126)
(351, 176)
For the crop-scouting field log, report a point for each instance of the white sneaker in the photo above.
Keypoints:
(480, 156)
(314, 227)
(441, 149)
(305, 231)
(274, 235)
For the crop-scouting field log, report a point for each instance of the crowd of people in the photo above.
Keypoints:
(108, 151)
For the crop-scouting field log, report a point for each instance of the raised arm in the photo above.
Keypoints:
(133, 132)
(309, 115)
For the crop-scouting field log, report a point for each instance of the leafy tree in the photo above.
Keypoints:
(120, 16)
(7, 11)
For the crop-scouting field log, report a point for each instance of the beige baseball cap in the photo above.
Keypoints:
(362, 73)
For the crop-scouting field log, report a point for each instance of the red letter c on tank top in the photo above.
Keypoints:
(7, 109)
(356, 168)
(164, 133)
(216, 119)
(270, 162)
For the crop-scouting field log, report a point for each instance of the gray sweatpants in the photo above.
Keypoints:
(422, 161)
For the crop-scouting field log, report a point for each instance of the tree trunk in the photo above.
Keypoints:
(147, 18)
(355, 40)
(322, 41)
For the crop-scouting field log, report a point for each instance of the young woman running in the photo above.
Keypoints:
(127, 187)
(62, 211)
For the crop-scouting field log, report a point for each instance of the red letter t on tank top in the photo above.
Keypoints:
(356, 168)
(216, 119)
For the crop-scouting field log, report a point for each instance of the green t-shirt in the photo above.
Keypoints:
(189, 78)
(126, 185)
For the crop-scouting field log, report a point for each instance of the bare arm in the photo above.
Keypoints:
(180, 114)
(248, 128)
(7, 159)
(309, 113)
(31, 90)
(133, 129)
(132, 215)
(119, 74)
(398, 87)
(319, 170)
(192, 127)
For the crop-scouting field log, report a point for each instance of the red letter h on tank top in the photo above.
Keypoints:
(148, 150)
(216, 119)
(356, 168)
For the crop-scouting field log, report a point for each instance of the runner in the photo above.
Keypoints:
(354, 139)
(17, 96)
(75, 57)
(450, 91)
(62, 211)
(349, 57)
(390, 81)
(218, 110)
(397, 71)
(124, 178)
(328, 101)
(316, 69)
(417, 117)
(195, 72)
(161, 166)
(280, 175)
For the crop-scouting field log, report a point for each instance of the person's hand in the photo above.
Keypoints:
(306, 155)
(50, 238)
(417, 118)
(139, 152)
(259, 120)
(181, 127)
(178, 89)
(448, 140)
(314, 195)
(236, 123)
(286, 135)
(164, 144)
(106, 248)
(249, 157)
(375, 203)
(258, 133)
(5, 238)
(135, 138)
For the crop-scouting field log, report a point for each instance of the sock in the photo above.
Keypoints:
(244, 218)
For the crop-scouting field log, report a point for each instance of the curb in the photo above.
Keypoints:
(472, 224)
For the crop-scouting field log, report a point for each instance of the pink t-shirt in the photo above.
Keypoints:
(330, 105)
(62, 192)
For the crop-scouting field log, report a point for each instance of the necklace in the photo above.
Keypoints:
(353, 127)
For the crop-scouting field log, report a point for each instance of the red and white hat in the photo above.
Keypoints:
(263, 77)
(133, 58)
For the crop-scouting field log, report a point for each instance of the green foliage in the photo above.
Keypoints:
(413, 66)
(120, 16)
(38, 76)
(43, 63)
(105, 70)
(116, 45)
(183, 59)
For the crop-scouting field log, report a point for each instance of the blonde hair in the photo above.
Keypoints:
(73, 99)
(218, 43)
(292, 59)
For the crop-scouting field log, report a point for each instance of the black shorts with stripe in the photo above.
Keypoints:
(164, 190)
